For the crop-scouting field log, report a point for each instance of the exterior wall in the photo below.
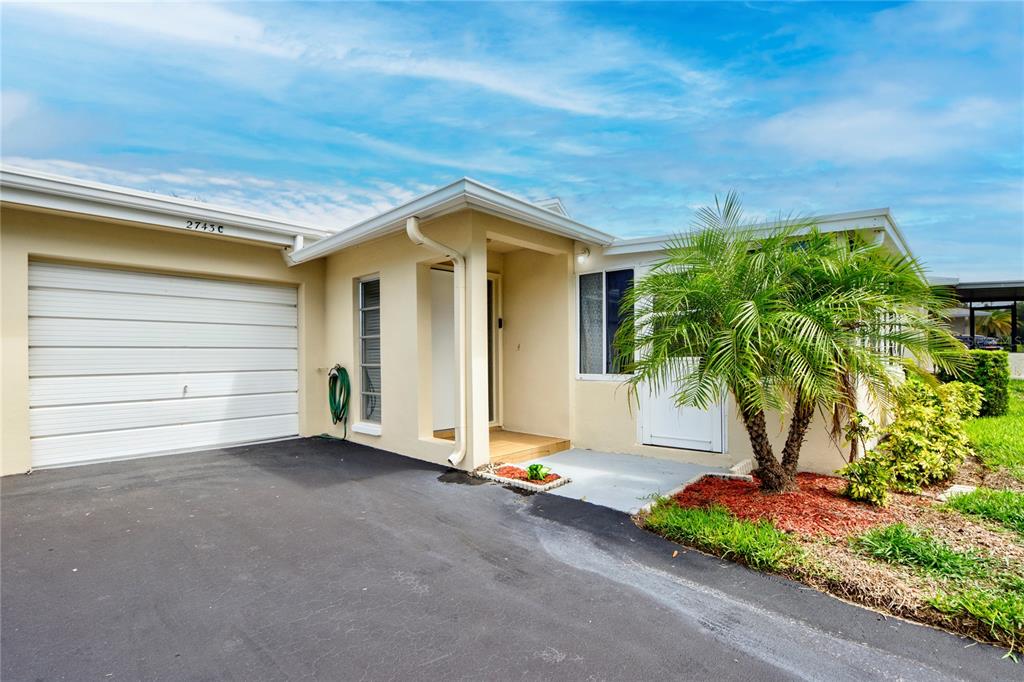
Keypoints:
(537, 314)
(26, 235)
(606, 418)
(534, 342)
(406, 366)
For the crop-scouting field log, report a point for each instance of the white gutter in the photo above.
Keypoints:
(412, 228)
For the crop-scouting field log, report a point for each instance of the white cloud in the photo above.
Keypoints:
(866, 129)
(331, 206)
(208, 24)
(554, 64)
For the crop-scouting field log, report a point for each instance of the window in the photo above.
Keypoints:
(601, 295)
(369, 349)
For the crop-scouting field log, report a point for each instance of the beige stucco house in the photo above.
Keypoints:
(475, 326)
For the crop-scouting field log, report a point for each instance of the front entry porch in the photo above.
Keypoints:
(512, 447)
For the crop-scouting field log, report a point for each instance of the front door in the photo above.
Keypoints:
(665, 424)
(443, 388)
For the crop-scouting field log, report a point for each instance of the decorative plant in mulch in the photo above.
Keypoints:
(535, 474)
(816, 508)
(916, 558)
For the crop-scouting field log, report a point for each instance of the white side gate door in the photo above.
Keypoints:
(664, 423)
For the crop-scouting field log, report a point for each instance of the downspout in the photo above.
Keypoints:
(412, 228)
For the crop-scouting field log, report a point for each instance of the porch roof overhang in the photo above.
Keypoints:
(869, 219)
(982, 292)
(461, 194)
(40, 191)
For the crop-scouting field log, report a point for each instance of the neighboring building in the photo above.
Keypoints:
(989, 315)
(136, 324)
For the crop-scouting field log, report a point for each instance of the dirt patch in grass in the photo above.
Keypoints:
(973, 472)
(815, 509)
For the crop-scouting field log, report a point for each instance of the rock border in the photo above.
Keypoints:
(523, 485)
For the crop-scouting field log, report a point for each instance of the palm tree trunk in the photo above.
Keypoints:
(769, 471)
(803, 413)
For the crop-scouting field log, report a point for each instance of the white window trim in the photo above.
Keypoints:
(363, 426)
(581, 376)
(367, 428)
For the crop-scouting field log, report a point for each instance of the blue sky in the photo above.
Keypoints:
(633, 114)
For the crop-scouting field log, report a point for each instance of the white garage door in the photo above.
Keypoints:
(125, 364)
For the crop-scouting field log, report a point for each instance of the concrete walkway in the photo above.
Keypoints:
(621, 482)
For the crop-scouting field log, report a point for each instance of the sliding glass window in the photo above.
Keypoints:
(601, 295)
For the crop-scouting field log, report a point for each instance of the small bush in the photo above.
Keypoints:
(926, 441)
(868, 479)
(900, 544)
(989, 369)
(760, 545)
(1005, 507)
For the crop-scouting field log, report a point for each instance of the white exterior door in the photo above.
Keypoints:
(125, 364)
(663, 423)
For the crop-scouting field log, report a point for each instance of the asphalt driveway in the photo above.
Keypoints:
(324, 560)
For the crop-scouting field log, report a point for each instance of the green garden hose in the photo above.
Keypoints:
(339, 389)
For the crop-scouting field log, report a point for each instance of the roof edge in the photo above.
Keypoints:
(463, 193)
(46, 191)
(877, 218)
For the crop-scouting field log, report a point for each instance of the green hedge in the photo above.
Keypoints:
(990, 369)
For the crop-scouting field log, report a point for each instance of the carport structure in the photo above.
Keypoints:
(985, 298)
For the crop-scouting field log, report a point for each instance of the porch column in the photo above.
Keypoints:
(477, 382)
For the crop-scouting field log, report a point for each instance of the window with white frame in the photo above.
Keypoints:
(369, 349)
(601, 295)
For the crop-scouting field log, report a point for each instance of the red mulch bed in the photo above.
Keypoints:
(520, 474)
(815, 509)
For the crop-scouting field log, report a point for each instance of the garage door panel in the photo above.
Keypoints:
(103, 305)
(63, 390)
(89, 361)
(52, 275)
(124, 364)
(107, 445)
(48, 331)
(69, 419)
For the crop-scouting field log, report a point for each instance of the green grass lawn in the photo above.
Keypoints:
(1005, 507)
(999, 441)
(759, 545)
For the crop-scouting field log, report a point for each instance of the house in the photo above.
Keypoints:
(475, 325)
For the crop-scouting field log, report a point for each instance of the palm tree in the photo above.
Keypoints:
(996, 323)
(785, 319)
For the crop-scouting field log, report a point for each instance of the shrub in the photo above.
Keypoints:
(868, 479)
(989, 369)
(760, 545)
(926, 441)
